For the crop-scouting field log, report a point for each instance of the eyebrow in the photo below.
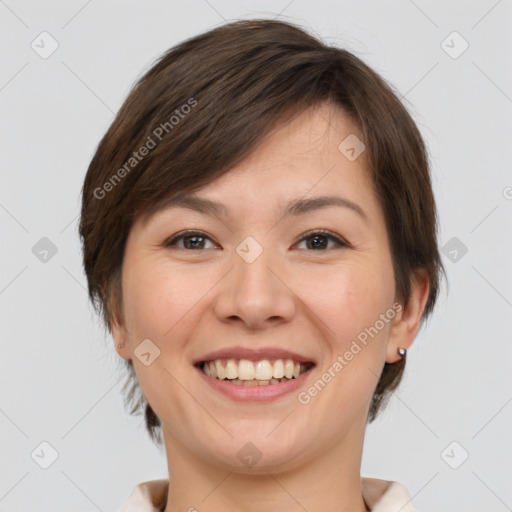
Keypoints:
(293, 208)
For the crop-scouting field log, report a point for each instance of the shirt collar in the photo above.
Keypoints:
(379, 495)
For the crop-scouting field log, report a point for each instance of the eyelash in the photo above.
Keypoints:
(340, 243)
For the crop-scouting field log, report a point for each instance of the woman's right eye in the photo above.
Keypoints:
(194, 240)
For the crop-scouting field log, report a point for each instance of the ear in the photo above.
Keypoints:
(119, 333)
(407, 321)
(117, 324)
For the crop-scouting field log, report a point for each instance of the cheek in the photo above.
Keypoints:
(350, 297)
(149, 304)
(160, 300)
(350, 303)
(159, 306)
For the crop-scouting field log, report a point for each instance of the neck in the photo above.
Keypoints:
(329, 481)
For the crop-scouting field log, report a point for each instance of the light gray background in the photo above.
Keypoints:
(58, 375)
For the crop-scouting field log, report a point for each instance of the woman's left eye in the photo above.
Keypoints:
(320, 240)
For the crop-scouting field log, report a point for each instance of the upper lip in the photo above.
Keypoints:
(254, 354)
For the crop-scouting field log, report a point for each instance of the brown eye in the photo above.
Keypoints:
(319, 240)
(192, 240)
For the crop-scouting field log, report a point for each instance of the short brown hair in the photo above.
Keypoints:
(203, 106)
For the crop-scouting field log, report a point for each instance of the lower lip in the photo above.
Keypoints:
(255, 393)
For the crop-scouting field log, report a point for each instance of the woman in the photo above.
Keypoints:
(259, 234)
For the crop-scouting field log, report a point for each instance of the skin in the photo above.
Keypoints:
(191, 301)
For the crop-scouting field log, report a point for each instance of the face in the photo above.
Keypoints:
(314, 284)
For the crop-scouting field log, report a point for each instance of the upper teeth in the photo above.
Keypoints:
(244, 369)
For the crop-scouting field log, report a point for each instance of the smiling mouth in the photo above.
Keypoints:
(244, 372)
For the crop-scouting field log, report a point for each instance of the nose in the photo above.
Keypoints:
(255, 294)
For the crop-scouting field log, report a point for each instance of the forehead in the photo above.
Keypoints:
(318, 132)
(303, 157)
(297, 162)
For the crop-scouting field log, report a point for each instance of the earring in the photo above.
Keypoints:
(121, 345)
(402, 352)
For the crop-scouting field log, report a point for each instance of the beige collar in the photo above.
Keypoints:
(379, 495)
